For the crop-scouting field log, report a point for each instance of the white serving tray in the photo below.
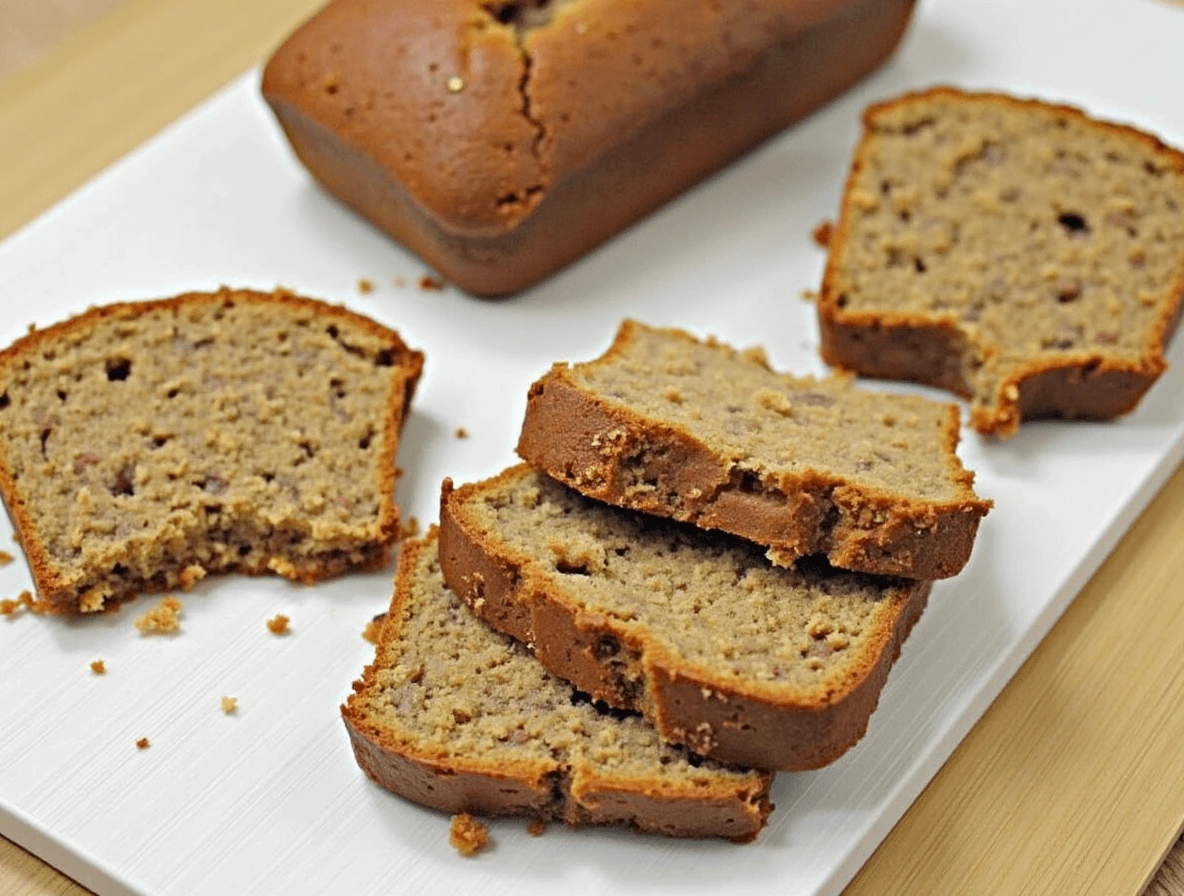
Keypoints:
(270, 800)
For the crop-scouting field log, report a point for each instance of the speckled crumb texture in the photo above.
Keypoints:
(145, 445)
(458, 717)
(700, 432)
(1014, 252)
(744, 661)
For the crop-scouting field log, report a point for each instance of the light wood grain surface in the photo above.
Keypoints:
(1073, 782)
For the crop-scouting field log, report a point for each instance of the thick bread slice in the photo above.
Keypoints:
(456, 716)
(702, 433)
(144, 445)
(1017, 253)
(742, 660)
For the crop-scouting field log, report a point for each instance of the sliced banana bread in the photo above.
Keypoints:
(742, 660)
(703, 433)
(1016, 253)
(143, 445)
(458, 717)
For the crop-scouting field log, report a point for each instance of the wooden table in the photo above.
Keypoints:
(1073, 782)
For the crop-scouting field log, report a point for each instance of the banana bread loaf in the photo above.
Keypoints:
(501, 140)
(1014, 252)
(458, 717)
(143, 445)
(702, 433)
(741, 660)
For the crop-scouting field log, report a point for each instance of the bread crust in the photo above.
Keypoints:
(57, 595)
(504, 155)
(574, 793)
(748, 723)
(932, 349)
(602, 448)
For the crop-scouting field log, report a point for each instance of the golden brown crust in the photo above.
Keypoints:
(930, 349)
(744, 722)
(859, 527)
(488, 148)
(60, 596)
(574, 793)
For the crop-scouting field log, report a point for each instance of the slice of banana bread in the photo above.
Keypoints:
(742, 660)
(144, 445)
(1016, 253)
(458, 717)
(702, 433)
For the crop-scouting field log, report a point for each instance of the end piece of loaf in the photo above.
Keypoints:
(742, 660)
(1017, 253)
(144, 445)
(702, 433)
(458, 717)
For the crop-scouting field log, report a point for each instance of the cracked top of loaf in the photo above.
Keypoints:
(476, 108)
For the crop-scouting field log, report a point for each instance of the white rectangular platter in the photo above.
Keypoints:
(270, 800)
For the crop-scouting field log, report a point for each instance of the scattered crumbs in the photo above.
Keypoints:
(809, 295)
(430, 283)
(399, 282)
(142, 744)
(332, 82)
(456, 84)
(822, 233)
(409, 529)
(374, 628)
(462, 433)
(25, 601)
(278, 624)
(398, 472)
(229, 705)
(5, 558)
(536, 828)
(98, 667)
(467, 835)
(163, 619)
(365, 285)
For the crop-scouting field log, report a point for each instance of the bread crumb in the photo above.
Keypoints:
(467, 835)
(142, 744)
(229, 705)
(462, 433)
(98, 667)
(24, 600)
(374, 628)
(399, 282)
(5, 558)
(809, 295)
(365, 285)
(428, 283)
(398, 472)
(536, 827)
(409, 529)
(822, 234)
(163, 619)
(278, 624)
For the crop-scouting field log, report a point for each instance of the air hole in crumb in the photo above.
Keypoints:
(919, 266)
(841, 302)
(332, 331)
(1073, 222)
(160, 441)
(124, 484)
(119, 369)
(173, 393)
(385, 358)
(607, 646)
(244, 549)
(61, 395)
(569, 568)
(5, 401)
(364, 442)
